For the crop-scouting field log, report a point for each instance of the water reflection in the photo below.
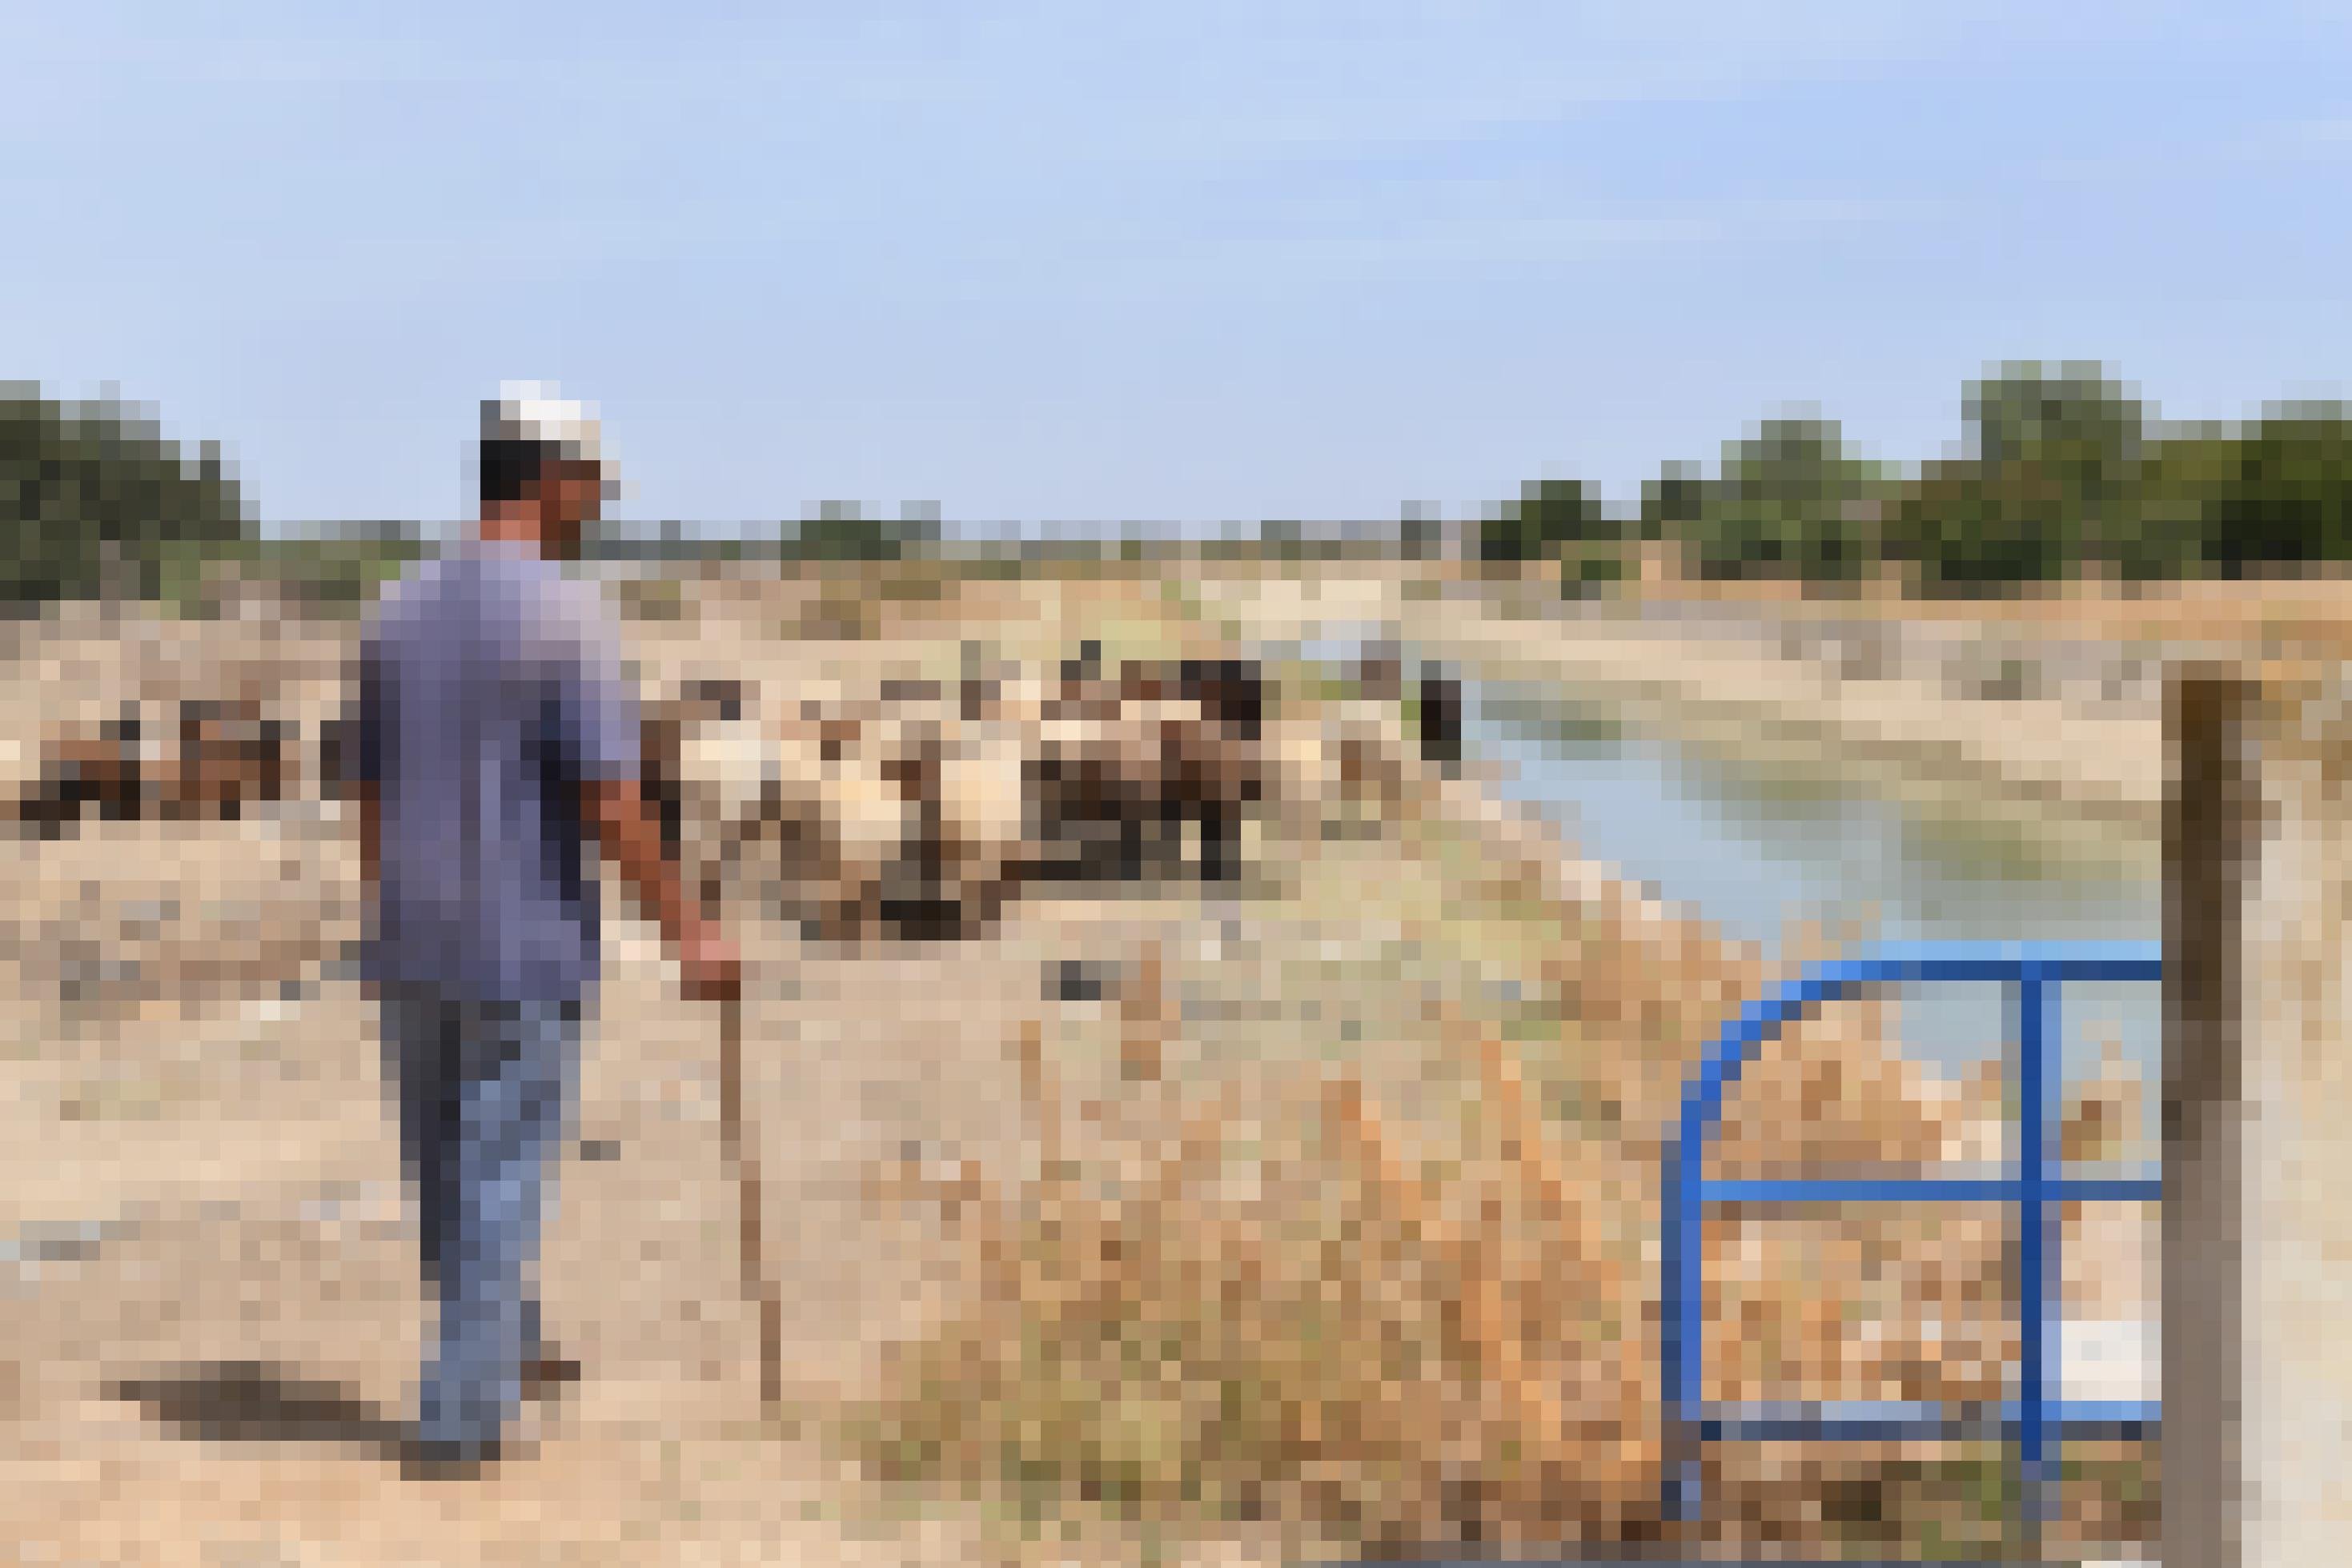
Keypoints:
(1755, 851)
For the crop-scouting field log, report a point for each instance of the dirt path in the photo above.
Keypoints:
(193, 1193)
(202, 1198)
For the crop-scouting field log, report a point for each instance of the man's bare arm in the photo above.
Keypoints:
(630, 839)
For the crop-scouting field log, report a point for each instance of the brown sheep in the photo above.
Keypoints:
(1196, 760)
(1124, 765)
(230, 752)
(102, 767)
(1090, 806)
(1217, 771)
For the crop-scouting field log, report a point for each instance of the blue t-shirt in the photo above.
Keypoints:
(490, 690)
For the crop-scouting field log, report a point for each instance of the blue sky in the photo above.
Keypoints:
(1194, 262)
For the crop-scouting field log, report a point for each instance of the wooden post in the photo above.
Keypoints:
(2296, 1084)
(2209, 848)
(2257, 1382)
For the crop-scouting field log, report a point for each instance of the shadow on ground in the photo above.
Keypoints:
(247, 1402)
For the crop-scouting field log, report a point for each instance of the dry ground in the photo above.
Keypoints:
(208, 1177)
(201, 1191)
(202, 1187)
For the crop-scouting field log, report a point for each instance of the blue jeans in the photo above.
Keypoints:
(483, 1097)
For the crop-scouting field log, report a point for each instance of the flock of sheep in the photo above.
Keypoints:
(919, 811)
(923, 811)
(214, 759)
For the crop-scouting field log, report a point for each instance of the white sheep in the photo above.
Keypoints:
(984, 815)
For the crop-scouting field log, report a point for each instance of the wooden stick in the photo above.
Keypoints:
(1144, 1012)
(741, 1154)
(1040, 1094)
(744, 1161)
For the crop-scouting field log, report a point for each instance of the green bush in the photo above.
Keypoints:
(1548, 516)
(1590, 575)
(94, 503)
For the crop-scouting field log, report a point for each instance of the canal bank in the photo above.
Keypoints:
(1612, 805)
(1708, 878)
(2034, 766)
(2029, 746)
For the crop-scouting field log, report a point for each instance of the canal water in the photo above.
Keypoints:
(1756, 853)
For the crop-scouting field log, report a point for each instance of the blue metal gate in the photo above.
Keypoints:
(2035, 1419)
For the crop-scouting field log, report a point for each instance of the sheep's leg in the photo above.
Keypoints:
(47, 806)
(76, 792)
(1170, 815)
(1130, 843)
(1219, 841)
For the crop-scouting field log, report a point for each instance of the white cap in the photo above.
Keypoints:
(531, 410)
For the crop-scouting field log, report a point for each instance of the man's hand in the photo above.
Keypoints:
(631, 837)
(627, 831)
(712, 968)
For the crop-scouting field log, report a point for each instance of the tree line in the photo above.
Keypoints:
(2065, 473)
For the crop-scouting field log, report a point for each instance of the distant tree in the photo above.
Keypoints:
(1283, 538)
(2052, 480)
(2071, 417)
(2291, 503)
(94, 502)
(1974, 532)
(2182, 509)
(1792, 501)
(1672, 502)
(2064, 471)
(1550, 514)
(842, 531)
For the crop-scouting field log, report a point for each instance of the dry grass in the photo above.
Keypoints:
(1373, 1359)
(1283, 1300)
(1372, 1353)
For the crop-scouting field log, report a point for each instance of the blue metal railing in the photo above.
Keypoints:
(2035, 972)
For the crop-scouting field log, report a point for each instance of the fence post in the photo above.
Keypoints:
(2210, 843)
(2297, 1087)
(2258, 1096)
